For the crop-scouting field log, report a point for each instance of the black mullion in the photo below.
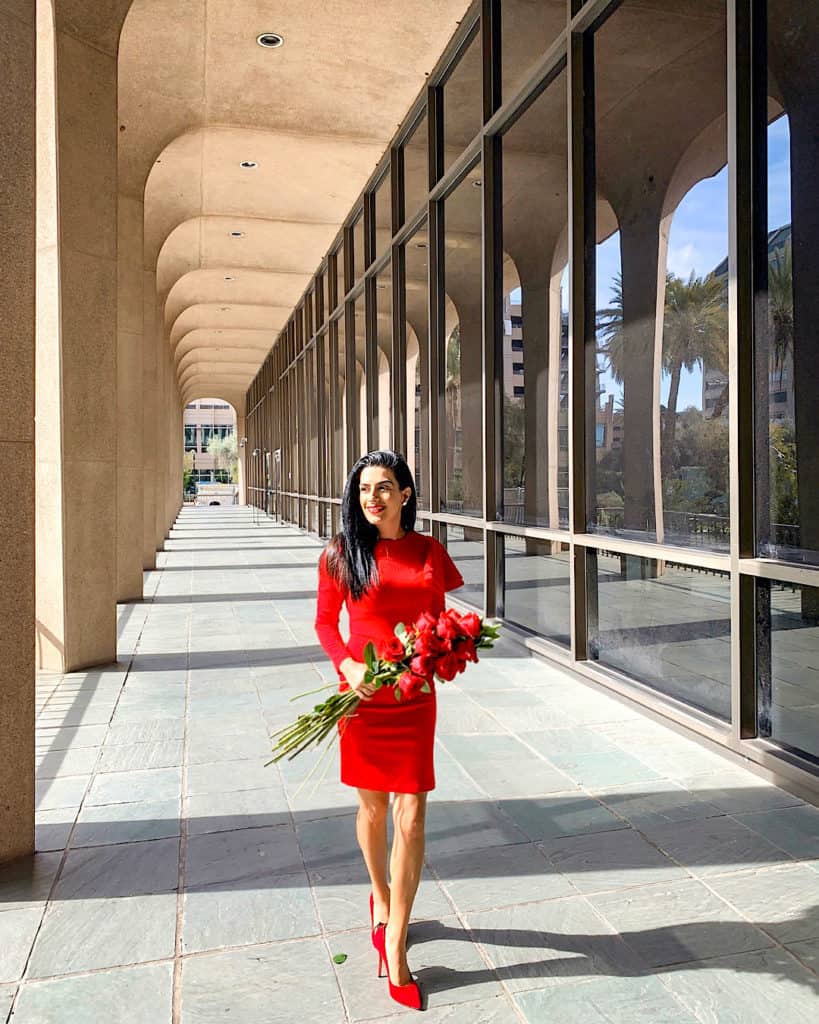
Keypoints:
(492, 266)
(582, 316)
(371, 361)
(491, 56)
(369, 229)
(748, 268)
(398, 368)
(350, 383)
(436, 287)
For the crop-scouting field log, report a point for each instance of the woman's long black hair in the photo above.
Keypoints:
(351, 553)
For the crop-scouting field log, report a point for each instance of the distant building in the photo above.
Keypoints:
(780, 376)
(204, 419)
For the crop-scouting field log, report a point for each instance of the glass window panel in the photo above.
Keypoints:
(423, 526)
(359, 398)
(664, 624)
(463, 103)
(658, 402)
(789, 695)
(358, 248)
(528, 29)
(788, 339)
(535, 318)
(383, 327)
(463, 393)
(465, 546)
(416, 254)
(416, 169)
(325, 296)
(340, 465)
(327, 487)
(536, 586)
(312, 411)
(383, 214)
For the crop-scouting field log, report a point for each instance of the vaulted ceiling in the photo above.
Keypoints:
(234, 247)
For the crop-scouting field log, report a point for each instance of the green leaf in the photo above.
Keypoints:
(369, 656)
(397, 693)
(426, 688)
(339, 958)
(368, 676)
(401, 631)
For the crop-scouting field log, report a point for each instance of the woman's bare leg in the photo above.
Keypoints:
(371, 831)
(406, 861)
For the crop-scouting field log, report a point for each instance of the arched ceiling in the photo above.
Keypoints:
(197, 96)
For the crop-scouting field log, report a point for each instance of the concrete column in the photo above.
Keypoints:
(130, 388)
(17, 202)
(159, 441)
(471, 332)
(553, 427)
(640, 252)
(149, 416)
(77, 398)
(50, 597)
(537, 408)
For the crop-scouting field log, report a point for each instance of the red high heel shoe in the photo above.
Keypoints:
(408, 995)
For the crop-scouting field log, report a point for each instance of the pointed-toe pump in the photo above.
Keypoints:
(408, 995)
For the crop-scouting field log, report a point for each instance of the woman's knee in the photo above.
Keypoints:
(410, 818)
(372, 807)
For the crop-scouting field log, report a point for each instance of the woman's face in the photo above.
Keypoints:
(382, 499)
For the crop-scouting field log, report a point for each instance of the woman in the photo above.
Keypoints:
(386, 573)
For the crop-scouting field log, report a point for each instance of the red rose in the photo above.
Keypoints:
(423, 665)
(391, 649)
(427, 644)
(465, 650)
(425, 622)
(471, 625)
(444, 647)
(446, 628)
(409, 684)
(448, 666)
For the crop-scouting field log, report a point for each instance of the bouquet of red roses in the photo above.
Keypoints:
(433, 648)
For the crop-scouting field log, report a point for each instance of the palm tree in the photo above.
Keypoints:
(695, 329)
(780, 306)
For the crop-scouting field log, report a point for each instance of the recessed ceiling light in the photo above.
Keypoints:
(420, 245)
(477, 183)
(237, 234)
(270, 40)
(248, 164)
(229, 278)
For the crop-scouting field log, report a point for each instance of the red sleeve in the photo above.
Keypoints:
(451, 576)
(330, 600)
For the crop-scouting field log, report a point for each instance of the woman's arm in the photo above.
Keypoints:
(330, 599)
(328, 608)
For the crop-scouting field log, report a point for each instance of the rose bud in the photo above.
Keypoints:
(391, 650)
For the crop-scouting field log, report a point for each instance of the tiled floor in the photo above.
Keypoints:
(584, 864)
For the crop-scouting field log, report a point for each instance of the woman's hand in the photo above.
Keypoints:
(354, 672)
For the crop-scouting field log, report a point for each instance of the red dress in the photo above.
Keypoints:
(387, 745)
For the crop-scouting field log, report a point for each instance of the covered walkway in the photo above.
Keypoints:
(585, 863)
